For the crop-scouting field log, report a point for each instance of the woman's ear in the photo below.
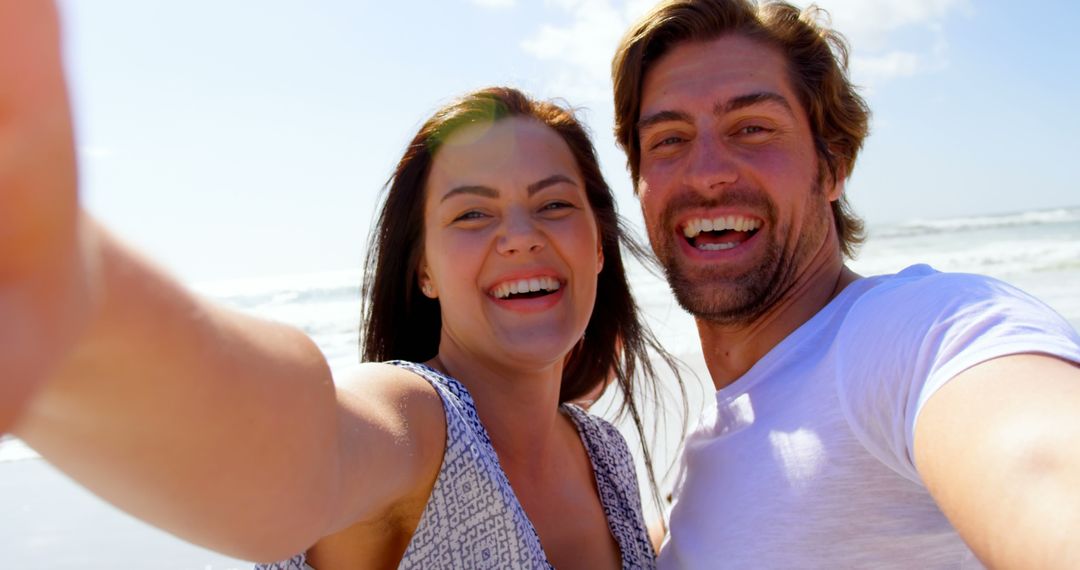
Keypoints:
(426, 283)
(599, 252)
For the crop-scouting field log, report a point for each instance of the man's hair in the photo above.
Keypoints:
(817, 60)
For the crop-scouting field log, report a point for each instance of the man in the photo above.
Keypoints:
(916, 420)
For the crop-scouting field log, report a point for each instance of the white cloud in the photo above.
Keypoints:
(583, 47)
(873, 70)
(872, 27)
(869, 23)
(494, 3)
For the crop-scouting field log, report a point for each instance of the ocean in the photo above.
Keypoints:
(50, 522)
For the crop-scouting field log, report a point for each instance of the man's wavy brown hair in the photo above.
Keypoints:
(817, 60)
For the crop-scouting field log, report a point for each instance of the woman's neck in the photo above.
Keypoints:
(518, 405)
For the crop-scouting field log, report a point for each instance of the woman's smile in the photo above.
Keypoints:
(511, 245)
(527, 294)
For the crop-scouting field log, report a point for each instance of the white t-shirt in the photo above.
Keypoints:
(806, 460)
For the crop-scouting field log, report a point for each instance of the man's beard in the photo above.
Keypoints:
(718, 295)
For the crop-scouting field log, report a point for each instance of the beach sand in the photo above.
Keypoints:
(51, 523)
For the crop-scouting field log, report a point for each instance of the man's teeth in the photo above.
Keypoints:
(715, 246)
(737, 223)
(533, 285)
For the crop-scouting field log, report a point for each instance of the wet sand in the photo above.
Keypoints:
(48, 522)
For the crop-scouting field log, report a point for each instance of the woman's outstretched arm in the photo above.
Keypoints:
(225, 429)
(222, 428)
(46, 280)
(206, 422)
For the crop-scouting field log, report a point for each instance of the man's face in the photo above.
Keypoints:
(733, 197)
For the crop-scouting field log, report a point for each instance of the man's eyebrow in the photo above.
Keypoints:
(549, 181)
(721, 108)
(484, 191)
(751, 99)
(662, 117)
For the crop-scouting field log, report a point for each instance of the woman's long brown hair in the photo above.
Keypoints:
(400, 323)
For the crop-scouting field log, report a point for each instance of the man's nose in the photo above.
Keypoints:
(710, 165)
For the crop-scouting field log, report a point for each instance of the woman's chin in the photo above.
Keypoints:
(536, 350)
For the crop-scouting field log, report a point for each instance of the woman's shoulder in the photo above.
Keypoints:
(384, 401)
(617, 484)
(386, 380)
(599, 435)
(583, 417)
(393, 439)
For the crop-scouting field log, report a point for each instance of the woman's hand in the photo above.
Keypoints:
(46, 276)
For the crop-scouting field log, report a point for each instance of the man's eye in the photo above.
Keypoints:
(667, 141)
(752, 129)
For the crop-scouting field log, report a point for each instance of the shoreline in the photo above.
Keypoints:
(52, 523)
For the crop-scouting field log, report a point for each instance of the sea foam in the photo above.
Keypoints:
(1038, 251)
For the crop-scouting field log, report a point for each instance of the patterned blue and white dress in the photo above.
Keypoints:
(474, 520)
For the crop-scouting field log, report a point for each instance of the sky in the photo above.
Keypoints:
(252, 138)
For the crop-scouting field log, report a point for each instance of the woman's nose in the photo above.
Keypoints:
(519, 234)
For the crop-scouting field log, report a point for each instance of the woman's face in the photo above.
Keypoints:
(511, 246)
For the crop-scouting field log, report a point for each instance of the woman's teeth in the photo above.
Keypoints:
(533, 285)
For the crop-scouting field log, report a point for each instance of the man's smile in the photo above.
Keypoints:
(719, 233)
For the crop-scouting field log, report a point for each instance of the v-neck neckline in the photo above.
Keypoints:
(467, 398)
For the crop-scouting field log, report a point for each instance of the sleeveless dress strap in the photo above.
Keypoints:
(473, 519)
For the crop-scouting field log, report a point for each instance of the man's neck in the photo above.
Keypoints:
(730, 350)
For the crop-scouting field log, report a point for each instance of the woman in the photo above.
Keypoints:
(509, 234)
(497, 236)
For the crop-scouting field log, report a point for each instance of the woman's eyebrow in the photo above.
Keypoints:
(483, 191)
(488, 192)
(549, 181)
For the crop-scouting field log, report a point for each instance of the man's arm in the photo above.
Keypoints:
(999, 449)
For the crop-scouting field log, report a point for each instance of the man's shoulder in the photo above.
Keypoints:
(904, 313)
(921, 322)
(922, 276)
(923, 290)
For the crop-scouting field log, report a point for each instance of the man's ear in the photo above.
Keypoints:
(836, 184)
(837, 189)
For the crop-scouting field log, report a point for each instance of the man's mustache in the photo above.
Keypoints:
(749, 199)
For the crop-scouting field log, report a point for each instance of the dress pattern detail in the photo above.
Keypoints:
(473, 519)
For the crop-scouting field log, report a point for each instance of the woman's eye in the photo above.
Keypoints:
(557, 209)
(470, 215)
(556, 206)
